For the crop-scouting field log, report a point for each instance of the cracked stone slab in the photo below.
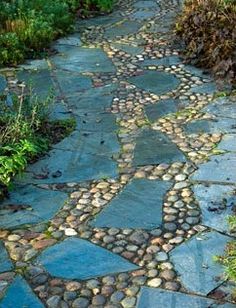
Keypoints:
(79, 259)
(71, 40)
(59, 111)
(220, 168)
(79, 59)
(159, 298)
(216, 203)
(155, 82)
(161, 108)
(101, 122)
(61, 166)
(166, 61)
(222, 107)
(98, 143)
(206, 88)
(19, 294)
(139, 205)
(123, 28)
(228, 143)
(197, 72)
(41, 64)
(153, 147)
(218, 125)
(30, 205)
(194, 263)
(3, 83)
(5, 262)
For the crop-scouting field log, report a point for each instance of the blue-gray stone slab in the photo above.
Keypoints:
(72, 40)
(78, 59)
(122, 29)
(79, 259)
(102, 122)
(142, 15)
(161, 108)
(166, 61)
(30, 205)
(195, 265)
(220, 168)
(5, 262)
(206, 88)
(106, 20)
(153, 147)
(59, 111)
(139, 205)
(41, 64)
(196, 72)
(61, 166)
(159, 298)
(155, 82)
(132, 50)
(218, 125)
(95, 100)
(20, 295)
(3, 83)
(222, 107)
(90, 143)
(216, 203)
(70, 83)
(228, 143)
(148, 4)
(39, 80)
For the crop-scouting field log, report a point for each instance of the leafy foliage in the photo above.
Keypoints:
(207, 28)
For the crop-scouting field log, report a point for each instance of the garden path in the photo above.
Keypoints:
(131, 208)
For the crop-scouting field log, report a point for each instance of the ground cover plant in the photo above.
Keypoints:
(27, 27)
(207, 29)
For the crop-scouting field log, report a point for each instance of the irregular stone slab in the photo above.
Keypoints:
(90, 143)
(148, 4)
(78, 59)
(207, 88)
(166, 61)
(218, 125)
(122, 29)
(161, 108)
(70, 166)
(30, 205)
(19, 294)
(153, 147)
(95, 100)
(70, 84)
(222, 107)
(5, 262)
(196, 72)
(72, 40)
(132, 50)
(41, 64)
(59, 111)
(106, 20)
(193, 261)
(36, 80)
(228, 143)
(103, 122)
(220, 168)
(159, 298)
(155, 82)
(139, 205)
(79, 259)
(142, 15)
(216, 203)
(3, 83)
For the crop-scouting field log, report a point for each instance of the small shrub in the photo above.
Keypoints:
(11, 50)
(207, 28)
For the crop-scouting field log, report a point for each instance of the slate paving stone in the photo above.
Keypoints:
(166, 61)
(59, 111)
(194, 262)
(148, 4)
(130, 49)
(95, 100)
(30, 205)
(216, 203)
(122, 29)
(142, 15)
(218, 125)
(224, 167)
(153, 147)
(5, 262)
(71, 40)
(79, 59)
(206, 88)
(61, 166)
(106, 20)
(3, 83)
(197, 72)
(41, 64)
(70, 83)
(161, 108)
(79, 259)
(158, 298)
(222, 107)
(155, 82)
(19, 295)
(228, 143)
(40, 81)
(90, 143)
(102, 122)
(139, 205)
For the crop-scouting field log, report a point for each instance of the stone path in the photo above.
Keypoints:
(131, 208)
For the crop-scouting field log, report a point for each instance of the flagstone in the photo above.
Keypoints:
(5, 262)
